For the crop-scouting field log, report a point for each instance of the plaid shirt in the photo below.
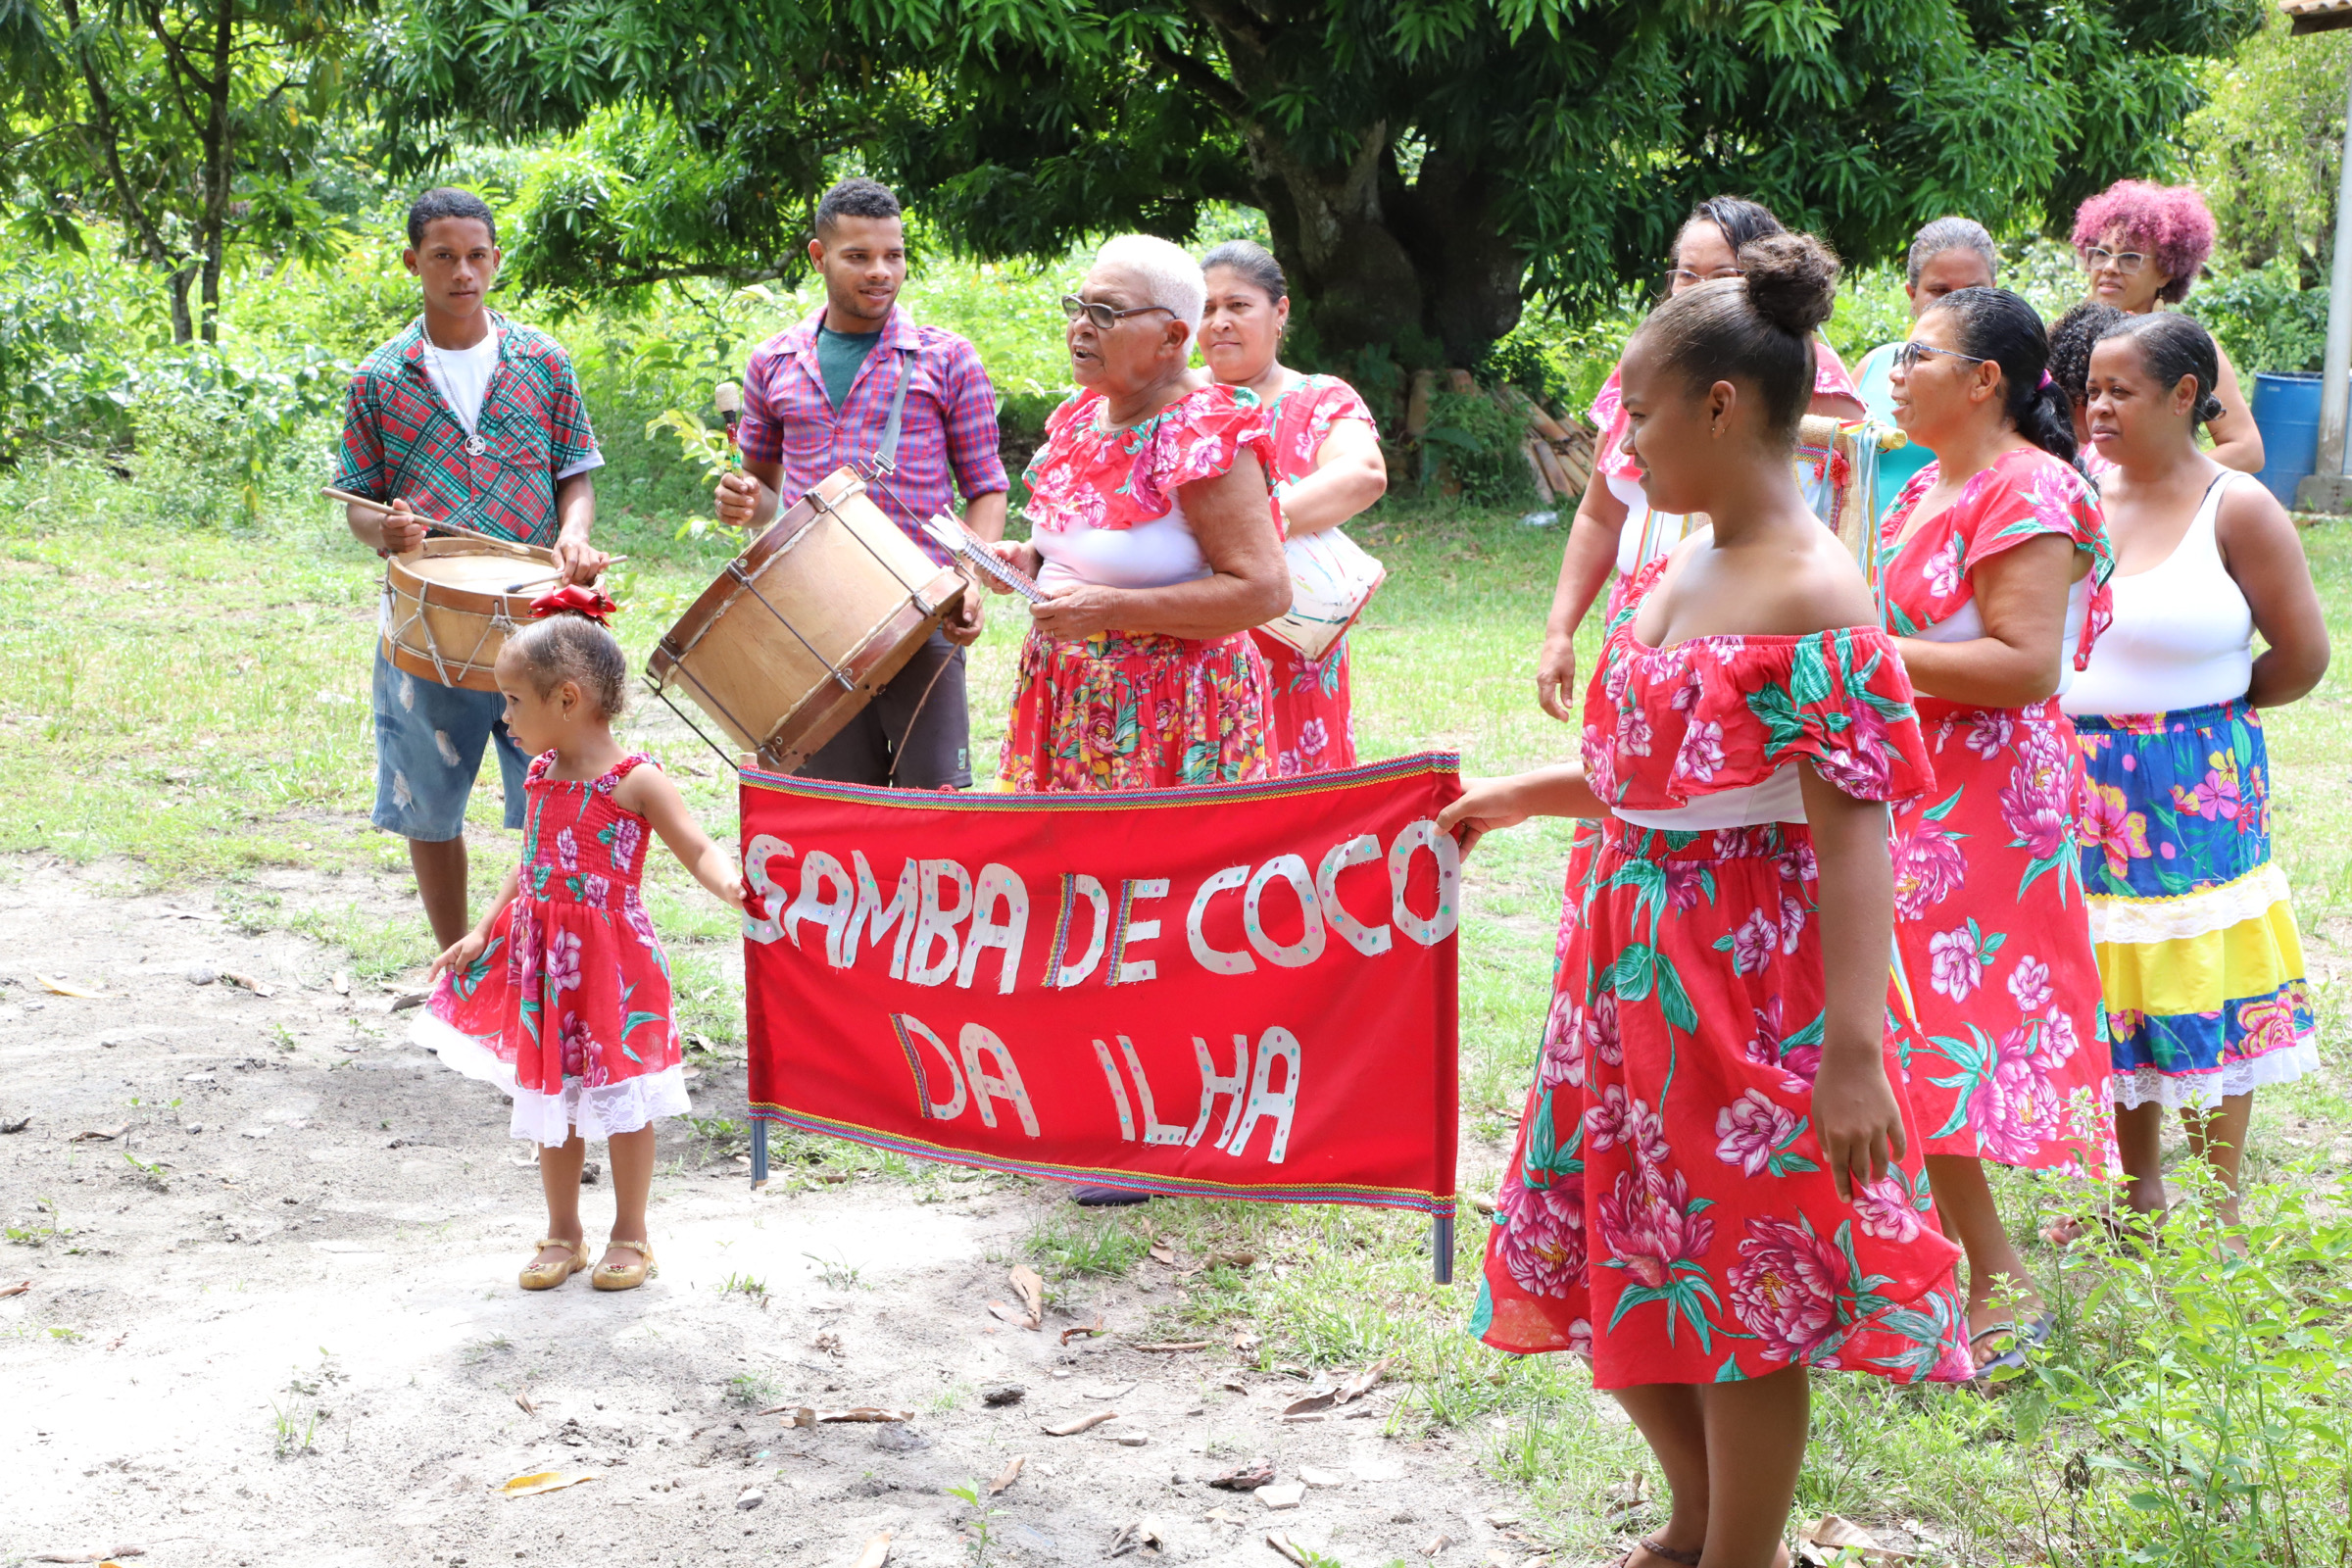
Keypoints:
(947, 437)
(401, 439)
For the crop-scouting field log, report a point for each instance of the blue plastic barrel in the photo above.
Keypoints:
(2286, 410)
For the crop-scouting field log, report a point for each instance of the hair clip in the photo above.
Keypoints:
(589, 603)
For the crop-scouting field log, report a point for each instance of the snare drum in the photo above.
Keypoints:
(806, 624)
(451, 607)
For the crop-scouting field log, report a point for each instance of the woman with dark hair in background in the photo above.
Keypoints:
(1949, 254)
(1717, 1189)
(2143, 246)
(1327, 469)
(2071, 338)
(1995, 564)
(1600, 548)
(2198, 951)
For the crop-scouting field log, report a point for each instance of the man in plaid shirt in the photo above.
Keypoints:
(819, 396)
(470, 418)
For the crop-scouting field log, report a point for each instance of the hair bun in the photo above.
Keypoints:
(2209, 409)
(1791, 280)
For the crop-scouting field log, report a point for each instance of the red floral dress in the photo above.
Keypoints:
(1311, 726)
(1992, 923)
(569, 1007)
(1123, 710)
(1668, 1211)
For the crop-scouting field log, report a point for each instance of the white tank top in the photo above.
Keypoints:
(2183, 634)
(1966, 624)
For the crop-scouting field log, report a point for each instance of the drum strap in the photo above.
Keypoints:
(888, 452)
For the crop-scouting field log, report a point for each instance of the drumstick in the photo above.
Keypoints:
(347, 498)
(534, 582)
(727, 398)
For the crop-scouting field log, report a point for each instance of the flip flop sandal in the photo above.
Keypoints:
(538, 1276)
(2022, 1343)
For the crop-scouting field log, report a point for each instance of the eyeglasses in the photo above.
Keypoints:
(2125, 262)
(1683, 277)
(1105, 316)
(1907, 357)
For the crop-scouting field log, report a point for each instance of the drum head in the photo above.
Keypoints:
(488, 570)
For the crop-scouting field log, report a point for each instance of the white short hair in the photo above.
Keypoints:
(1170, 275)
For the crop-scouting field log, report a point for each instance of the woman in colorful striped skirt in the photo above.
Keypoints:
(2198, 953)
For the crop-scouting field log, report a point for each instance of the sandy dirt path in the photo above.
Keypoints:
(297, 1338)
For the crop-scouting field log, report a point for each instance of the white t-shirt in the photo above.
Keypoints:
(462, 376)
(1148, 555)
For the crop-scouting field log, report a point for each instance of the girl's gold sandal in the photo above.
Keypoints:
(625, 1276)
(538, 1276)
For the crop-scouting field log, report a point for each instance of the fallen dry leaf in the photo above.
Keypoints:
(1012, 1473)
(877, 1550)
(1243, 1340)
(524, 1400)
(1070, 1429)
(539, 1481)
(249, 983)
(1826, 1541)
(1072, 1332)
(1142, 1533)
(1222, 1517)
(1437, 1546)
(1179, 1345)
(1163, 1253)
(18, 1289)
(99, 1135)
(66, 988)
(1247, 1479)
(1356, 1387)
(998, 1309)
(830, 1343)
(1033, 1293)
(1282, 1544)
(1313, 1401)
(1240, 1260)
(90, 1556)
(864, 1412)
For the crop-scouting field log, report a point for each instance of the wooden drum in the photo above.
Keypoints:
(799, 631)
(449, 606)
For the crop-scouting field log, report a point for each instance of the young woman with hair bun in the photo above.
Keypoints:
(2198, 951)
(1717, 1186)
(1994, 570)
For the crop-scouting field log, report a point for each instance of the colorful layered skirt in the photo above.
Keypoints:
(2199, 957)
(1120, 711)
(1309, 724)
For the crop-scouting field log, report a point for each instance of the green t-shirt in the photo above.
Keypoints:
(839, 354)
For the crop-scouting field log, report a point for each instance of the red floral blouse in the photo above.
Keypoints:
(1086, 477)
(1664, 726)
(2023, 495)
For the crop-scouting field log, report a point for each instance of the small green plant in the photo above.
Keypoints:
(35, 1234)
(150, 1171)
(483, 1349)
(720, 1134)
(295, 1423)
(753, 1389)
(747, 1286)
(980, 1529)
(837, 1272)
(1104, 1247)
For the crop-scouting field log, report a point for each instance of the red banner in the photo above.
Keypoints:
(1238, 990)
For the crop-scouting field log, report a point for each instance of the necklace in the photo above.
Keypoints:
(476, 446)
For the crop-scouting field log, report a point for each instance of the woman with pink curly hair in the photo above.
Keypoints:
(2143, 245)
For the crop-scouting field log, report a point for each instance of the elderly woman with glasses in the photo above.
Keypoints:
(1949, 254)
(1154, 542)
(2143, 246)
(1995, 561)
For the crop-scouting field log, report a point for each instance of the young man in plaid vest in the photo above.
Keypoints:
(820, 395)
(463, 417)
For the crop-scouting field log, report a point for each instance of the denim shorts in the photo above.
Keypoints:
(428, 748)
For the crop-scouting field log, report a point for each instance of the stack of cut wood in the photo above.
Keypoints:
(1559, 455)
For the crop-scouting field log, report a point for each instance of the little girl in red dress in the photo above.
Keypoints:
(1717, 1186)
(561, 996)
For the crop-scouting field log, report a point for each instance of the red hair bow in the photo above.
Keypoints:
(574, 600)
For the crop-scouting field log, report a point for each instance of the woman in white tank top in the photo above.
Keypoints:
(2199, 959)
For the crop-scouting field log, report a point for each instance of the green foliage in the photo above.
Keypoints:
(1479, 444)
(2266, 319)
(1424, 167)
(2267, 147)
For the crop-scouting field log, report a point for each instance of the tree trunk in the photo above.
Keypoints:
(183, 325)
(217, 164)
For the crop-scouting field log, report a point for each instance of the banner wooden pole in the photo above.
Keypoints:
(1441, 1247)
(759, 1153)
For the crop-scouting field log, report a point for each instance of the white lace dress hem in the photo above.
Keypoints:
(593, 1111)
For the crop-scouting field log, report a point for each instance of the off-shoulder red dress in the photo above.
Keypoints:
(1668, 1211)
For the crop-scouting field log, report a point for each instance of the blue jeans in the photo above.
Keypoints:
(428, 748)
